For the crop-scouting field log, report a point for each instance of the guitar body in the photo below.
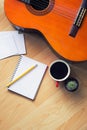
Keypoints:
(54, 22)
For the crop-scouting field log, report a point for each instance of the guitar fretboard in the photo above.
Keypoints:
(25, 1)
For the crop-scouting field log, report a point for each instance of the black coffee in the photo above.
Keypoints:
(59, 70)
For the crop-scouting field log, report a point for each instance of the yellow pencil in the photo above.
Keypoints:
(20, 76)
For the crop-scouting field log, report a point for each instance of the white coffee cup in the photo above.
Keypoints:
(59, 70)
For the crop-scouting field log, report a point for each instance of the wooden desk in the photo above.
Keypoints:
(54, 108)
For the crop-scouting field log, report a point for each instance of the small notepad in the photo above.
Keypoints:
(6, 47)
(29, 84)
(11, 43)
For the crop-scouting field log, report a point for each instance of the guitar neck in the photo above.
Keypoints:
(25, 1)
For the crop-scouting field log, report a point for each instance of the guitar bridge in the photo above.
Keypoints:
(79, 19)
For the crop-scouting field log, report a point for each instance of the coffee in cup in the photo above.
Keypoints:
(59, 70)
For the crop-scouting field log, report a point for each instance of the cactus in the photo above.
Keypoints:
(71, 84)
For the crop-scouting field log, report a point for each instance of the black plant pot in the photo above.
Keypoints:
(71, 84)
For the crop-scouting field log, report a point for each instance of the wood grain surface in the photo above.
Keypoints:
(54, 108)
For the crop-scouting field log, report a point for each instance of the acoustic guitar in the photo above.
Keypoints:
(62, 22)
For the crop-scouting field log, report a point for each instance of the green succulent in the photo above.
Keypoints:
(71, 85)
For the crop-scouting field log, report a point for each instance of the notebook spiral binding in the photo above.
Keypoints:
(16, 68)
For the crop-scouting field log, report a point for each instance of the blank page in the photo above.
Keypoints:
(19, 41)
(7, 46)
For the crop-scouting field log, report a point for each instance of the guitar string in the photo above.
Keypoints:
(62, 9)
(65, 12)
(40, 4)
(74, 12)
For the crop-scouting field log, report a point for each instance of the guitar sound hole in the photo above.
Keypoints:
(40, 7)
(39, 4)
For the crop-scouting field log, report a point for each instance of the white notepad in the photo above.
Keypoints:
(11, 43)
(29, 84)
(19, 41)
(7, 46)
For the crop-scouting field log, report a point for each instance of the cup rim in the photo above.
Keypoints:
(67, 67)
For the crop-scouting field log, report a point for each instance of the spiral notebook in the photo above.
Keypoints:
(29, 84)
